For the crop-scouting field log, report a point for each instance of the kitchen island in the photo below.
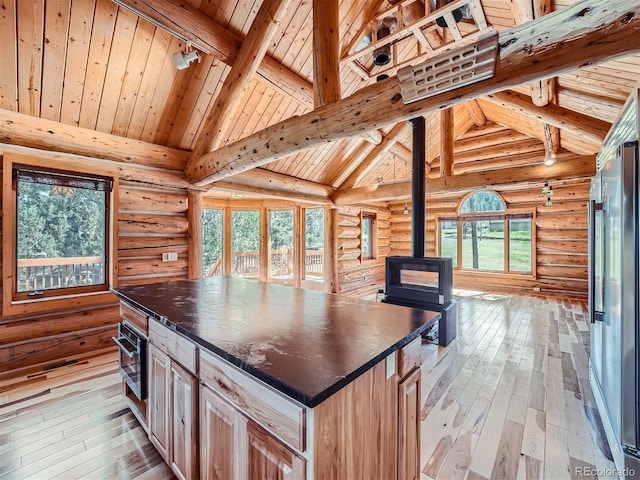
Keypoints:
(256, 380)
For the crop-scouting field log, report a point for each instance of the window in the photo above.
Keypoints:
(314, 244)
(281, 260)
(484, 236)
(212, 242)
(245, 243)
(368, 236)
(449, 241)
(61, 232)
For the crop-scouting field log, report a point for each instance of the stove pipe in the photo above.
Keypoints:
(418, 188)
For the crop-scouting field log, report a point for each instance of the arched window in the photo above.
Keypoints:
(485, 236)
(482, 202)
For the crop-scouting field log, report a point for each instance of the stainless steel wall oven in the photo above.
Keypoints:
(132, 358)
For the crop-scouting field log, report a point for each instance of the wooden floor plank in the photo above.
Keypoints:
(509, 398)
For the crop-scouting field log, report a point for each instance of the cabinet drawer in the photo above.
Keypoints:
(176, 346)
(135, 317)
(409, 357)
(270, 409)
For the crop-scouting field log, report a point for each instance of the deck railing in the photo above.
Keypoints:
(48, 273)
(247, 264)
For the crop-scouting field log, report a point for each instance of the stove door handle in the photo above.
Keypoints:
(123, 348)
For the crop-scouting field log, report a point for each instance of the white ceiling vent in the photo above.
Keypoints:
(457, 67)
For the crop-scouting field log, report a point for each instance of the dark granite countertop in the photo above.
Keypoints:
(304, 343)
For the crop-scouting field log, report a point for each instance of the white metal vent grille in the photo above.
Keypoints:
(458, 67)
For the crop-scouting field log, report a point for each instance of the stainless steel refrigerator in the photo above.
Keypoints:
(614, 241)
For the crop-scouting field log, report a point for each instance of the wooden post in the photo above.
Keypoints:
(194, 234)
(298, 245)
(331, 282)
(226, 243)
(264, 244)
(446, 142)
(326, 61)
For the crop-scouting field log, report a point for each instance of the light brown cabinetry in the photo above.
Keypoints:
(268, 459)
(184, 423)
(158, 399)
(220, 427)
(409, 427)
(173, 402)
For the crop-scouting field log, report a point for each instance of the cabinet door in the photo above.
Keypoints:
(158, 400)
(268, 459)
(222, 438)
(409, 427)
(184, 426)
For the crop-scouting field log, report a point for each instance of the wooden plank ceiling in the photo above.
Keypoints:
(96, 65)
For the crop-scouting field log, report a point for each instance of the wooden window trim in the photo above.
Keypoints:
(373, 234)
(506, 216)
(12, 303)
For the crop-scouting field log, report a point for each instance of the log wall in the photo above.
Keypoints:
(561, 265)
(359, 277)
(151, 219)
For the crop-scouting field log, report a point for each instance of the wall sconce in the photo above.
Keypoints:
(184, 59)
(406, 207)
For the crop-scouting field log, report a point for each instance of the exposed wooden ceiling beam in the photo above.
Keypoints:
(573, 168)
(223, 44)
(355, 157)
(551, 138)
(587, 128)
(476, 113)
(247, 62)
(326, 52)
(495, 113)
(372, 158)
(446, 142)
(233, 186)
(543, 91)
(592, 31)
(20, 129)
(259, 177)
(522, 11)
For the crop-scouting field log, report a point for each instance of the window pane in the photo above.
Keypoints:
(520, 245)
(366, 237)
(483, 245)
(314, 243)
(245, 243)
(61, 237)
(482, 202)
(281, 259)
(212, 238)
(449, 241)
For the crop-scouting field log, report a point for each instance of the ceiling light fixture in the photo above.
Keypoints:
(457, 13)
(382, 55)
(549, 159)
(184, 59)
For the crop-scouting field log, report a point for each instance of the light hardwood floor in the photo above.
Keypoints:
(509, 399)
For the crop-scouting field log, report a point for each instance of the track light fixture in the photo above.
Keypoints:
(184, 59)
